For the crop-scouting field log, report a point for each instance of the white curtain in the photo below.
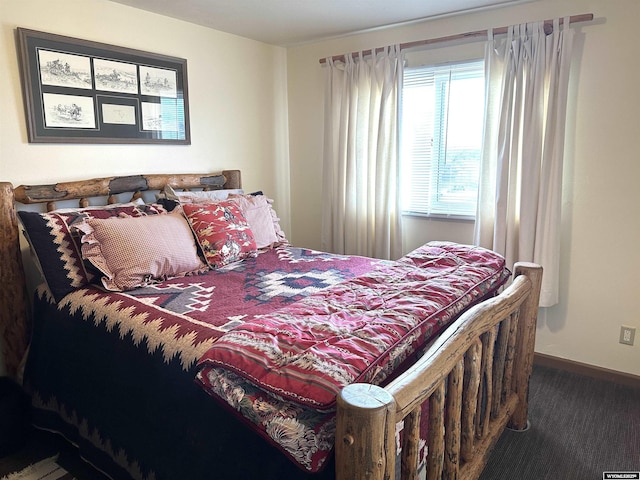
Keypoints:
(519, 204)
(361, 206)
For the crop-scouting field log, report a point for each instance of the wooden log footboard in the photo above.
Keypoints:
(476, 380)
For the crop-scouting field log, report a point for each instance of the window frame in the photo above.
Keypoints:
(439, 210)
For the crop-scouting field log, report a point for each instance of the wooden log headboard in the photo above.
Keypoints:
(15, 324)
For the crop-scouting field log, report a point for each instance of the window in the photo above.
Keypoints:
(442, 114)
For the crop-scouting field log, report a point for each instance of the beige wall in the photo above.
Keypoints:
(601, 223)
(237, 99)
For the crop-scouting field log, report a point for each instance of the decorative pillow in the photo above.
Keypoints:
(257, 211)
(134, 252)
(56, 244)
(282, 239)
(199, 196)
(222, 232)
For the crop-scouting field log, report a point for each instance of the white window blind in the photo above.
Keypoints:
(442, 114)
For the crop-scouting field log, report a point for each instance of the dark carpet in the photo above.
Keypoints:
(580, 428)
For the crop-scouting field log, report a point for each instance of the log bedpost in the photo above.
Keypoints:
(14, 331)
(365, 433)
(525, 342)
(233, 179)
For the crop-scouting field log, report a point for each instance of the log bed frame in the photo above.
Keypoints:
(475, 376)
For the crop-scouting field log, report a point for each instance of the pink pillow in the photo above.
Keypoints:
(257, 211)
(137, 251)
(222, 232)
(57, 246)
(262, 218)
(282, 239)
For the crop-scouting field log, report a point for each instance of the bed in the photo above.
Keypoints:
(249, 357)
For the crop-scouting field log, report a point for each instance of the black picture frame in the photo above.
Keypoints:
(79, 91)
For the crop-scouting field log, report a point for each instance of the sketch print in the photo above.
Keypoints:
(115, 76)
(69, 111)
(79, 91)
(64, 70)
(155, 117)
(158, 82)
(118, 114)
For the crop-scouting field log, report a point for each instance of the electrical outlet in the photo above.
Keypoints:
(627, 335)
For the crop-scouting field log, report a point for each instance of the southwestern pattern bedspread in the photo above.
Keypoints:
(282, 371)
(115, 372)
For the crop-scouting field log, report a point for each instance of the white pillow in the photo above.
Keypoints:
(200, 196)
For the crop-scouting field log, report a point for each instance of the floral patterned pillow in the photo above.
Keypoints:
(222, 232)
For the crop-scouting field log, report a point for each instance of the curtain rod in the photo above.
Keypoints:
(585, 17)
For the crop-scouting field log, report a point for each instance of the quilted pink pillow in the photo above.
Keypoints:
(222, 232)
(56, 243)
(137, 251)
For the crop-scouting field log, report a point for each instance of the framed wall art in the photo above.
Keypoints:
(78, 91)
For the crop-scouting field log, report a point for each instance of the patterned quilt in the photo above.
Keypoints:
(209, 305)
(283, 370)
